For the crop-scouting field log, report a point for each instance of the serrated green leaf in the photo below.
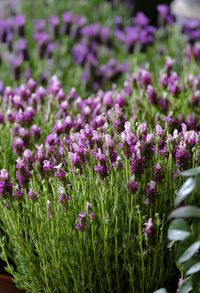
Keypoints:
(185, 212)
(178, 230)
(186, 286)
(193, 269)
(189, 252)
(191, 172)
(185, 190)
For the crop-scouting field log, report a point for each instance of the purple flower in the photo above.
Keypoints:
(16, 63)
(60, 173)
(145, 78)
(35, 131)
(137, 166)
(169, 65)
(196, 98)
(119, 120)
(164, 103)
(40, 154)
(101, 170)
(18, 193)
(118, 23)
(20, 21)
(151, 191)
(152, 95)
(182, 157)
(92, 216)
(75, 160)
(2, 189)
(28, 156)
(80, 227)
(108, 99)
(1, 118)
(32, 84)
(163, 9)
(54, 21)
(68, 20)
(175, 88)
(4, 176)
(33, 196)
(89, 207)
(149, 229)
(132, 186)
(18, 145)
(158, 172)
(141, 19)
(23, 173)
(191, 121)
(61, 95)
(42, 39)
(82, 217)
(5, 183)
(40, 25)
(22, 48)
(52, 140)
(24, 135)
(48, 166)
(63, 198)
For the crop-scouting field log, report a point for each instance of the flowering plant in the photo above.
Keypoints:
(84, 200)
(87, 182)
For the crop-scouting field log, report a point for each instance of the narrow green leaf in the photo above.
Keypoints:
(170, 244)
(195, 227)
(178, 230)
(196, 282)
(198, 182)
(186, 287)
(185, 212)
(191, 172)
(188, 264)
(162, 290)
(185, 190)
(182, 247)
(193, 269)
(189, 252)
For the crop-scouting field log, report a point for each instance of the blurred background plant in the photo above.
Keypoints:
(105, 45)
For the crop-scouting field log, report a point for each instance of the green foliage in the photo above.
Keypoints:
(51, 256)
(186, 229)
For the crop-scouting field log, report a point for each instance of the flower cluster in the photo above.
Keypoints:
(93, 47)
(82, 169)
(97, 131)
(82, 221)
(5, 183)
